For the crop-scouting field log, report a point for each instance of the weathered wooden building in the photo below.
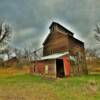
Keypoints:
(59, 41)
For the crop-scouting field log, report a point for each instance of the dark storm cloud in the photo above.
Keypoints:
(31, 18)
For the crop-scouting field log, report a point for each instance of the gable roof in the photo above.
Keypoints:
(59, 25)
(65, 33)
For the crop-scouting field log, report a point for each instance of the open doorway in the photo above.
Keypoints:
(60, 68)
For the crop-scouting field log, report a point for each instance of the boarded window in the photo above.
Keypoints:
(46, 69)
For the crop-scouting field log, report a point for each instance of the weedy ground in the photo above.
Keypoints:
(31, 87)
(18, 84)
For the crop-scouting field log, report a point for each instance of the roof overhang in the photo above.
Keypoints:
(54, 56)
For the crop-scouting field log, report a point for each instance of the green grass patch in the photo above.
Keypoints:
(30, 87)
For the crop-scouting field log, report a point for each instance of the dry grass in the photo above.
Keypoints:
(13, 71)
(17, 84)
(29, 87)
(94, 66)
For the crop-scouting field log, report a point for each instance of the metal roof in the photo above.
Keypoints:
(54, 56)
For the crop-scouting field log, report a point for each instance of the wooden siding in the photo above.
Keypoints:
(40, 67)
(57, 42)
(76, 46)
(51, 67)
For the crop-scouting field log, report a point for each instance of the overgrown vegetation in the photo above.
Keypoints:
(93, 65)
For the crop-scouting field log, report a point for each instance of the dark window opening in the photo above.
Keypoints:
(60, 68)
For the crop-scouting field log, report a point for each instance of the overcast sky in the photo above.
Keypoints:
(30, 19)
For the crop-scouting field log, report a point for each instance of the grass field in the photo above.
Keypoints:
(30, 87)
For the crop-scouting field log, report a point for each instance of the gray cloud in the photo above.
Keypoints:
(31, 18)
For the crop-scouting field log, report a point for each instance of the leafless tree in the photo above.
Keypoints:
(28, 49)
(24, 55)
(18, 53)
(91, 52)
(5, 34)
(97, 35)
(9, 51)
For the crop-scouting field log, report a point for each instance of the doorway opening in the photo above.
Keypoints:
(60, 68)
